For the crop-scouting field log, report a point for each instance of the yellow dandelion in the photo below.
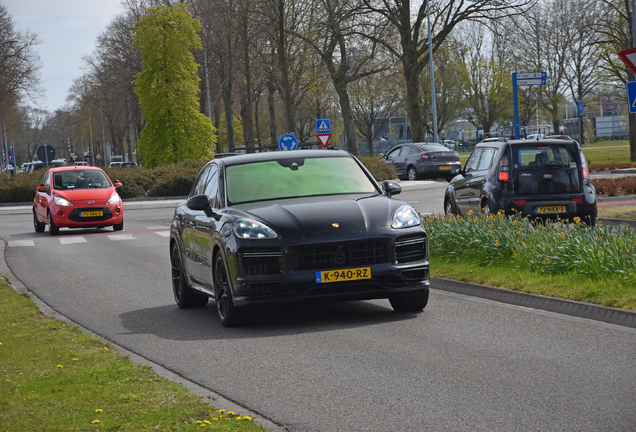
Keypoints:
(470, 213)
(95, 421)
(105, 348)
(515, 222)
(203, 425)
(239, 418)
(562, 234)
(75, 359)
(230, 413)
(34, 358)
(98, 410)
(7, 380)
(215, 419)
(0, 343)
(247, 418)
(500, 228)
(207, 421)
(222, 411)
(60, 366)
(497, 240)
(198, 422)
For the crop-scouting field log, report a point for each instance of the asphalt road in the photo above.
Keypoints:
(464, 364)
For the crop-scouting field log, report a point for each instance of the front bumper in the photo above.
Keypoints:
(69, 217)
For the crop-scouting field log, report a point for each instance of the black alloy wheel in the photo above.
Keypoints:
(53, 230)
(412, 302)
(184, 297)
(37, 225)
(229, 315)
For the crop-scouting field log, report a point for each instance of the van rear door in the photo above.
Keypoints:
(546, 168)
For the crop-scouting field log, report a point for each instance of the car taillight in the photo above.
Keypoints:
(428, 156)
(583, 166)
(519, 202)
(577, 200)
(503, 169)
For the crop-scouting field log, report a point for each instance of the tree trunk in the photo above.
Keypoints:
(271, 92)
(347, 117)
(248, 110)
(217, 126)
(284, 70)
(413, 107)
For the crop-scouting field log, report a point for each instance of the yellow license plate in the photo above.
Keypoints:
(343, 275)
(91, 214)
(445, 167)
(551, 209)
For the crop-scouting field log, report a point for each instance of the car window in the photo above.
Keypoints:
(198, 187)
(212, 187)
(407, 150)
(473, 160)
(76, 179)
(394, 153)
(541, 156)
(295, 178)
(485, 161)
(433, 148)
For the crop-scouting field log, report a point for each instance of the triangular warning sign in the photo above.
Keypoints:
(629, 57)
(324, 139)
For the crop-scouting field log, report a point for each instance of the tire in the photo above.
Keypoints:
(413, 302)
(448, 208)
(119, 226)
(53, 230)
(229, 315)
(37, 225)
(184, 297)
(411, 173)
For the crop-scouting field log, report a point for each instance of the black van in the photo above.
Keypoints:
(545, 178)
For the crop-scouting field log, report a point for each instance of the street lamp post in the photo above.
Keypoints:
(430, 61)
(613, 114)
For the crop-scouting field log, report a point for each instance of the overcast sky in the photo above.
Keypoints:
(68, 30)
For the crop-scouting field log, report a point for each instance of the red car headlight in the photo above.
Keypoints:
(114, 199)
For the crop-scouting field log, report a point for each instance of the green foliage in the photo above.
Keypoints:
(603, 255)
(380, 170)
(168, 87)
(20, 188)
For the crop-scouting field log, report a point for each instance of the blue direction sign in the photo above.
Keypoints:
(580, 106)
(323, 126)
(631, 96)
(531, 78)
(288, 141)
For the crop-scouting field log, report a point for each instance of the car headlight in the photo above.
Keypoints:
(252, 229)
(113, 200)
(62, 202)
(405, 217)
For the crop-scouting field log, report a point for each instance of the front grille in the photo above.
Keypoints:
(261, 262)
(260, 288)
(75, 217)
(410, 248)
(339, 255)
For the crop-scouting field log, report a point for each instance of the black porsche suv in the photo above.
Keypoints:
(546, 178)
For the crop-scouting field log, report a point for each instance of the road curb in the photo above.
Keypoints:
(622, 317)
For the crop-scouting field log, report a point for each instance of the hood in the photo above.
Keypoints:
(79, 197)
(352, 216)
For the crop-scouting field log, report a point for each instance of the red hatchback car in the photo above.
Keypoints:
(77, 197)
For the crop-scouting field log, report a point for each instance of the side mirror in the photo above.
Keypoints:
(42, 187)
(117, 184)
(202, 203)
(391, 187)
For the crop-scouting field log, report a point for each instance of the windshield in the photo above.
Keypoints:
(78, 179)
(292, 178)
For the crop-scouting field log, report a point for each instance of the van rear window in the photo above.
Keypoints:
(542, 156)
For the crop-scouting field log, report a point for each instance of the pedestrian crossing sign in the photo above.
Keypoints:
(631, 96)
(323, 126)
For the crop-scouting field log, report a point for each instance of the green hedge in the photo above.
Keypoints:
(164, 181)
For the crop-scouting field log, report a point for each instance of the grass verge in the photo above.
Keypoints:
(56, 378)
(557, 259)
(619, 212)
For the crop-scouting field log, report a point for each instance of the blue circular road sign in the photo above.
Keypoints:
(45, 153)
(288, 141)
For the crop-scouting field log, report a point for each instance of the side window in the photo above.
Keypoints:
(212, 188)
(406, 150)
(487, 156)
(199, 185)
(473, 160)
(394, 153)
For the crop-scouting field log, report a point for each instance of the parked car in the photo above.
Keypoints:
(545, 179)
(122, 165)
(450, 144)
(38, 165)
(77, 197)
(80, 163)
(423, 160)
(284, 226)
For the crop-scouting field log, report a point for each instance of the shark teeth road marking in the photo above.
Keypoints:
(122, 237)
(163, 233)
(17, 243)
(71, 240)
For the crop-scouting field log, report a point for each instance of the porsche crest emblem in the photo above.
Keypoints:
(335, 225)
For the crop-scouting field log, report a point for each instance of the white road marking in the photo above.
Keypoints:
(157, 227)
(16, 243)
(122, 237)
(71, 240)
(163, 233)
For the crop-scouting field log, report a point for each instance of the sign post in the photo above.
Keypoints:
(524, 79)
(323, 131)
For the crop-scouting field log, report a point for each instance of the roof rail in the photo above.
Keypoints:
(498, 139)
